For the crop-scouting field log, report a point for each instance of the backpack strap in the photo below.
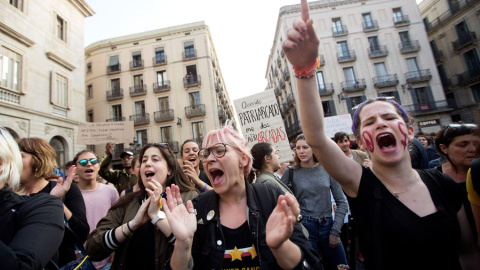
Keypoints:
(290, 179)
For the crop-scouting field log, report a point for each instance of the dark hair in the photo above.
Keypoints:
(447, 134)
(75, 159)
(339, 136)
(176, 176)
(295, 157)
(259, 151)
(354, 145)
(187, 141)
(421, 134)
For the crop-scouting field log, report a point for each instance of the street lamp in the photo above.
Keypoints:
(134, 146)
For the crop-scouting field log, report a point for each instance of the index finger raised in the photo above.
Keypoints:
(305, 10)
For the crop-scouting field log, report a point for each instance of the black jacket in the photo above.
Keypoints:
(209, 244)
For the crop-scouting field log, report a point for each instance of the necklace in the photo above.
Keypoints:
(397, 194)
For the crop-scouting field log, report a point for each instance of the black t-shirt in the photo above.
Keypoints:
(141, 250)
(240, 253)
(391, 231)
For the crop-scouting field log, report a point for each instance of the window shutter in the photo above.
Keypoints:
(52, 87)
(113, 60)
(331, 103)
(69, 94)
(349, 105)
(430, 98)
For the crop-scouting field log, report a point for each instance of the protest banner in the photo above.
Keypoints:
(260, 121)
(103, 132)
(334, 124)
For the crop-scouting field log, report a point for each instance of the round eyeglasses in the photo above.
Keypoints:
(218, 150)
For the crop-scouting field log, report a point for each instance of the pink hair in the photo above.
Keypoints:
(230, 136)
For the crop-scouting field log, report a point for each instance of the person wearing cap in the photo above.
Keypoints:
(122, 179)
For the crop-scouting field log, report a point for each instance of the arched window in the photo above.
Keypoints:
(59, 148)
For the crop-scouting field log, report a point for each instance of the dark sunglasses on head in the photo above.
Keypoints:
(453, 126)
(84, 162)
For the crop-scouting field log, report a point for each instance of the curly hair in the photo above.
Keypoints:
(43, 154)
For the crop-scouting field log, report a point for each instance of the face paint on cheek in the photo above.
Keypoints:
(404, 142)
(367, 138)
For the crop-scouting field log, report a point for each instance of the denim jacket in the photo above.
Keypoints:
(209, 244)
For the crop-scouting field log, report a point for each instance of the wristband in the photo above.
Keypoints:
(307, 71)
(304, 77)
(123, 232)
(204, 187)
(130, 229)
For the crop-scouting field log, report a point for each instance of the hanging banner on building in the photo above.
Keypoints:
(334, 124)
(261, 121)
(104, 132)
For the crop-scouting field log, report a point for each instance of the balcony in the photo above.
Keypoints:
(281, 83)
(467, 77)
(284, 107)
(138, 90)
(293, 129)
(221, 114)
(116, 119)
(275, 71)
(9, 96)
(290, 101)
(340, 31)
(352, 86)
(438, 55)
(346, 56)
(195, 110)
(190, 81)
(286, 74)
(385, 81)
(401, 20)
(113, 69)
(409, 46)
(164, 115)
(418, 76)
(448, 15)
(279, 62)
(189, 55)
(115, 94)
(159, 61)
(174, 146)
(370, 26)
(218, 87)
(277, 91)
(378, 51)
(159, 87)
(140, 119)
(464, 40)
(136, 64)
(429, 107)
(326, 89)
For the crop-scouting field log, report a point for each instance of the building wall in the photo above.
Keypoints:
(172, 39)
(462, 83)
(30, 109)
(433, 106)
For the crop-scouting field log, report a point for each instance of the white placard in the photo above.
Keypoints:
(334, 124)
(104, 132)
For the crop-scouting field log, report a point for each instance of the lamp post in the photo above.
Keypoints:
(134, 146)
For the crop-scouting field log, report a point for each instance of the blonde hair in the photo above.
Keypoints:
(230, 136)
(43, 154)
(11, 160)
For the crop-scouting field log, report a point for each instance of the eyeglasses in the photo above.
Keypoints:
(218, 150)
(457, 126)
(84, 162)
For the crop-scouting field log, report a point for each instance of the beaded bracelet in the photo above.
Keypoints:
(305, 77)
(204, 187)
(307, 71)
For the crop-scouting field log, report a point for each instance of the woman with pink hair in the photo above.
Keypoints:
(239, 225)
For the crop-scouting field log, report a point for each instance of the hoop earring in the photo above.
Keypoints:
(410, 147)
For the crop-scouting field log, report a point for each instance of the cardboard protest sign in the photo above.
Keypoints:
(260, 121)
(334, 124)
(103, 132)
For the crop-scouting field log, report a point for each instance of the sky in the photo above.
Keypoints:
(242, 31)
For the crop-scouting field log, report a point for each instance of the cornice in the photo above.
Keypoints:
(83, 7)
(16, 35)
(57, 59)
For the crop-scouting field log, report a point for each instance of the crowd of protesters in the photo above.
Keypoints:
(222, 205)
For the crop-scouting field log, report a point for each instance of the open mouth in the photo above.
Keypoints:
(216, 175)
(149, 174)
(192, 159)
(88, 171)
(386, 142)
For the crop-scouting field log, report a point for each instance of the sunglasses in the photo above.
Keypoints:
(453, 126)
(84, 162)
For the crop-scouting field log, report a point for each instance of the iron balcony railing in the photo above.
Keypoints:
(161, 86)
(378, 51)
(113, 69)
(116, 119)
(193, 80)
(370, 26)
(385, 81)
(464, 40)
(418, 76)
(195, 110)
(138, 90)
(140, 119)
(346, 56)
(401, 20)
(429, 107)
(466, 77)
(354, 85)
(159, 60)
(293, 129)
(326, 89)
(290, 101)
(277, 91)
(189, 54)
(279, 62)
(136, 64)
(163, 115)
(445, 17)
(281, 83)
(286, 74)
(340, 31)
(221, 114)
(115, 93)
(409, 46)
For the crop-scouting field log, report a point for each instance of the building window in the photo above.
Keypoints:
(472, 62)
(166, 134)
(476, 92)
(349, 74)
(59, 147)
(114, 64)
(328, 108)
(337, 26)
(163, 104)
(138, 83)
(393, 94)
(189, 49)
(89, 67)
(398, 15)
(368, 21)
(137, 59)
(197, 130)
(342, 49)
(10, 69)
(354, 101)
(321, 82)
(117, 113)
(115, 83)
(194, 98)
(453, 5)
(61, 91)
(142, 137)
(162, 78)
(373, 44)
(404, 38)
(89, 91)
(381, 72)
(140, 108)
(90, 116)
(17, 3)
(61, 28)
(159, 55)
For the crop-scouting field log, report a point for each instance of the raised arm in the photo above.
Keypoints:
(301, 49)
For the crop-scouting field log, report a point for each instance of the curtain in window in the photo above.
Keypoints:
(113, 60)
